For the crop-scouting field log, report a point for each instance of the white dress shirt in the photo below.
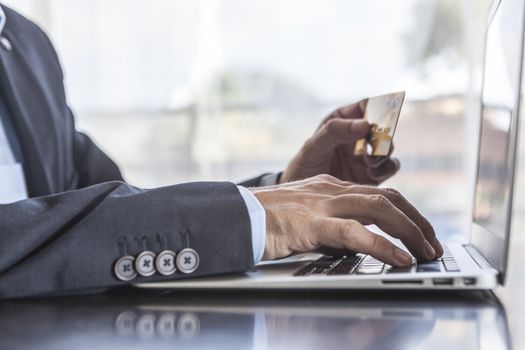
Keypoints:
(12, 182)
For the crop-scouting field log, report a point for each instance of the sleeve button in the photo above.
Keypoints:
(187, 260)
(165, 263)
(125, 268)
(145, 263)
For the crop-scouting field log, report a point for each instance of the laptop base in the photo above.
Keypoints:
(281, 274)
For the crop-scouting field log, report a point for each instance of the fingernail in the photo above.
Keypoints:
(360, 127)
(403, 258)
(431, 253)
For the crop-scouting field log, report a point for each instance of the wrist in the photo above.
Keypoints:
(275, 241)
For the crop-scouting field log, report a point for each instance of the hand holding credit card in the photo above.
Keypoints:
(382, 113)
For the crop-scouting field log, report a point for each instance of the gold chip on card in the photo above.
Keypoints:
(382, 113)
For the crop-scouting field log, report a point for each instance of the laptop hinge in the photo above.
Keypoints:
(478, 258)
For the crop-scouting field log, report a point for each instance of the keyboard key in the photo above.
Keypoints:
(370, 266)
(327, 263)
(401, 269)
(371, 261)
(325, 259)
(369, 270)
(367, 265)
(318, 266)
(343, 268)
(304, 271)
(449, 262)
(317, 270)
(324, 264)
(346, 266)
(431, 266)
(452, 267)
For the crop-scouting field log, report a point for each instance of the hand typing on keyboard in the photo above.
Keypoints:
(362, 264)
(324, 211)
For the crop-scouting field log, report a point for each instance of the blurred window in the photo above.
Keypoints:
(178, 90)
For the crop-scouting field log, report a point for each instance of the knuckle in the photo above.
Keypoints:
(394, 192)
(336, 113)
(375, 246)
(395, 195)
(349, 230)
(380, 201)
(332, 125)
(325, 178)
(325, 131)
(316, 184)
(309, 144)
(316, 179)
(427, 226)
(356, 188)
(319, 188)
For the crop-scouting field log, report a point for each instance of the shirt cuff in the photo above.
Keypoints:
(257, 223)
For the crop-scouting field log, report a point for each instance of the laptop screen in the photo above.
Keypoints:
(498, 129)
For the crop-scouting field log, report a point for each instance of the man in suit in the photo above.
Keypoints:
(71, 224)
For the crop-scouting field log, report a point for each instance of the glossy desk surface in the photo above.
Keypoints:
(137, 319)
(278, 321)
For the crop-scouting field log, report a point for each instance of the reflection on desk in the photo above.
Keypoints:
(231, 321)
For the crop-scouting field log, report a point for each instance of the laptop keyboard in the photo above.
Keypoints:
(361, 264)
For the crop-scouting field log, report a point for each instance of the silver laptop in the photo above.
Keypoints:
(480, 263)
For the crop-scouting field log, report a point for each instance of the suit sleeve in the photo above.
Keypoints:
(69, 242)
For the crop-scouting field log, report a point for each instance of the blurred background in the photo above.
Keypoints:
(178, 90)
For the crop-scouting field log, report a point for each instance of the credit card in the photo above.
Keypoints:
(382, 113)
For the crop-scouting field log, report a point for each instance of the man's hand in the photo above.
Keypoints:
(331, 151)
(324, 212)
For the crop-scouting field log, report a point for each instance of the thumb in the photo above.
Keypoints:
(359, 128)
(340, 132)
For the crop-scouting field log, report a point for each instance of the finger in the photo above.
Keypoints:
(338, 132)
(399, 201)
(427, 229)
(386, 170)
(353, 111)
(406, 207)
(353, 236)
(377, 209)
(391, 150)
(374, 161)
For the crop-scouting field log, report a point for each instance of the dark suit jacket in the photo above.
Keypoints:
(65, 238)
